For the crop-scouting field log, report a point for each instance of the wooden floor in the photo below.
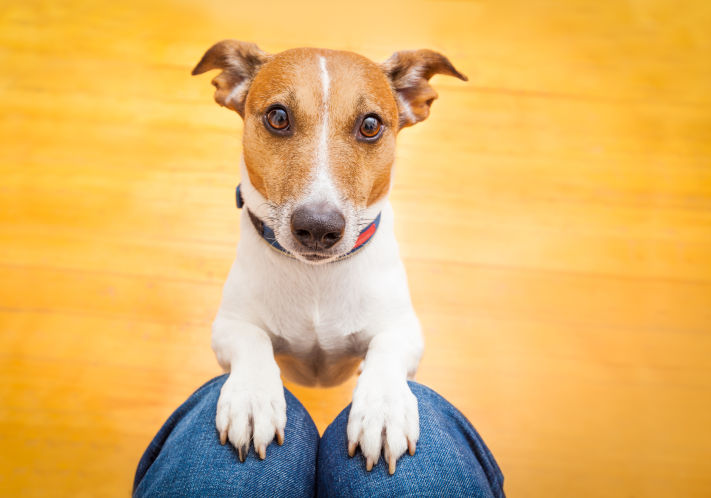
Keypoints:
(554, 215)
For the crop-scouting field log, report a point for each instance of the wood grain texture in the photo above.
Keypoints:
(554, 215)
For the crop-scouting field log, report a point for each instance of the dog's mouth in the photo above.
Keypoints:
(316, 257)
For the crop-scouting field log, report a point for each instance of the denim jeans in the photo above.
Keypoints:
(186, 458)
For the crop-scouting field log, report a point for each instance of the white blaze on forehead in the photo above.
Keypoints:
(325, 79)
(323, 134)
(322, 187)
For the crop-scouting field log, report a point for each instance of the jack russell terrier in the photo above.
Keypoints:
(318, 287)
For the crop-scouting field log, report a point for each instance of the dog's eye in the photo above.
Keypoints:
(278, 119)
(370, 127)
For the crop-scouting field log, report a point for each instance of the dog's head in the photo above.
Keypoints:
(319, 133)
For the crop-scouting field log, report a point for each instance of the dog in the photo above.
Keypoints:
(317, 288)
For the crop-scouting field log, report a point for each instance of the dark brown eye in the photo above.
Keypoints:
(370, 127)
(278, 119)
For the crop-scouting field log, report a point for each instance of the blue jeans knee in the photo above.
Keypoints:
(186, 458)
(451, 458)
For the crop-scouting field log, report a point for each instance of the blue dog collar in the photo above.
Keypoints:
(268, 234)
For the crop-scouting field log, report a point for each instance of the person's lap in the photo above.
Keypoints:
(186, 459)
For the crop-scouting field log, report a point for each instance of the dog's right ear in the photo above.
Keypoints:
(239, 62)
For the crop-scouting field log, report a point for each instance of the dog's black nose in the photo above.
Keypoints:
(317, 226)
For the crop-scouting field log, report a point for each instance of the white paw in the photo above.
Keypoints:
(383, 417)
(251, 407)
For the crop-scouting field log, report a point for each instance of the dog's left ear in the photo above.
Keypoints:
(409, 72)
(239, 62)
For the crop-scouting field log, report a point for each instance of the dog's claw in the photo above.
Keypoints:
(391, 467)
(223, 437)
(240, 453)
(262, 452)
(351, 449)
(369, 464)
(280, 437)
(411, 447)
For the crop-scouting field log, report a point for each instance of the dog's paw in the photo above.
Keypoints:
(383, 417)
(251, 408)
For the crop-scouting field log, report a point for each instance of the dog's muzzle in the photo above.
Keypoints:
(316, 227)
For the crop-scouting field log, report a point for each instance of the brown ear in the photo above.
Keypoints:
(239, 62)
(409, 72)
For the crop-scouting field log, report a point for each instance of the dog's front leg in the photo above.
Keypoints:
(251, 403)
(384, 413)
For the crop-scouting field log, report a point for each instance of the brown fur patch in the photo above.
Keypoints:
(281, 167)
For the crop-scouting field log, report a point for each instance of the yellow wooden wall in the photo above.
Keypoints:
(554, 215)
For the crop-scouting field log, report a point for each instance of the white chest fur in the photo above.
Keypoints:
(320, 319)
